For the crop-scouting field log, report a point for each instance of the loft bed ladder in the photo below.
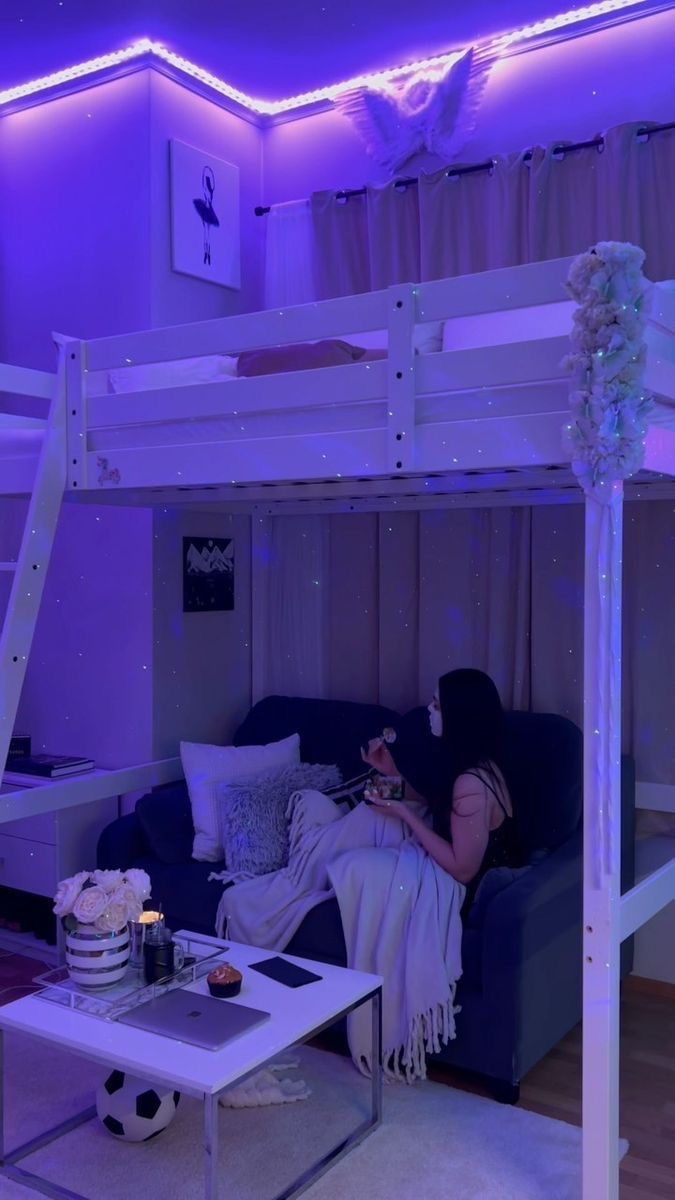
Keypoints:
(29, 569)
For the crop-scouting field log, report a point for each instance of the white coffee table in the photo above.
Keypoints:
(296, 1015)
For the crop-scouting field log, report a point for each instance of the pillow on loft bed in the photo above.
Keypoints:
(508, 325)
(427, 338)
(252, 815)
(303, 356)
(178, 373)
(207, 767)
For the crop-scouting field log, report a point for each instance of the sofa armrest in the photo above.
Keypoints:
(531, 913)
(531, 960)
(121, 844)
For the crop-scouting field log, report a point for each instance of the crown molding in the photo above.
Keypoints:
(589, 22)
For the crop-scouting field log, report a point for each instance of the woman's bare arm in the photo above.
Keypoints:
(468, 828)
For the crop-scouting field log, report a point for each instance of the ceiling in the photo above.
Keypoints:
(269, 49)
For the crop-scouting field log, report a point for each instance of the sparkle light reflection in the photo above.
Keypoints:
(147, 48)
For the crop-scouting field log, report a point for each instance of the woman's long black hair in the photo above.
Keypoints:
(473, 726)
(472, 738)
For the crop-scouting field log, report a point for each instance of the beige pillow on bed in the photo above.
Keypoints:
(303, 356)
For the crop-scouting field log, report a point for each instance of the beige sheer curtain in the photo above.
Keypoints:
(409, 595)
(412, 594)
(342, 260)
(474, 222)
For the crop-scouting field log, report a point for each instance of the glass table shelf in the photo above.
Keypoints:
(110, 1002)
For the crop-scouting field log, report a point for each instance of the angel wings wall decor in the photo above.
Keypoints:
(431, 110)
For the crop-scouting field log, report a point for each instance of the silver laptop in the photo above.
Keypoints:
(191, 1017)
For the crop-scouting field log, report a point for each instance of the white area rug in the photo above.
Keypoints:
(435, 1142)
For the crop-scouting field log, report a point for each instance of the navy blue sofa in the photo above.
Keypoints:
(520, 991)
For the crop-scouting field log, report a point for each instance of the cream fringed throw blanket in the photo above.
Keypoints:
(400, 913)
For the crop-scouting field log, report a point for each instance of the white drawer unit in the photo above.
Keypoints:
(28, 866)
(37, 852)
(43, 828)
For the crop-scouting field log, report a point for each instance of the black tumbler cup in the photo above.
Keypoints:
(158, 952)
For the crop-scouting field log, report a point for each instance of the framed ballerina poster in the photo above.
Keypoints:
(204, 216)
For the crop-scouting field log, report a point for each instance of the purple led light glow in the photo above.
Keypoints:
(151, 49)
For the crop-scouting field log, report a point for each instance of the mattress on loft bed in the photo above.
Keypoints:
(350, 347)
(523, 325)
(457, 333)
(460, 333)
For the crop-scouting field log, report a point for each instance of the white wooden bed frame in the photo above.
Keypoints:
(479, 425)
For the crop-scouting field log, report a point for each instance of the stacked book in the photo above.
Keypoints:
(51, 766)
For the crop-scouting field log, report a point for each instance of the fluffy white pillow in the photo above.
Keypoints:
(207, 767)
(427, 338)
(207, 369)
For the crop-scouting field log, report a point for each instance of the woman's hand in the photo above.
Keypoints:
(391, 808)
(377, 755)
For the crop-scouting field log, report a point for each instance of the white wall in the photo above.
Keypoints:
(570, 91)
(85, 249)
(201, 661)
(74, 196)
(89, 683)
(177, 113)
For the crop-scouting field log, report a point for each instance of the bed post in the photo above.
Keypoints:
(72, 367)
(402, 302)
(602, 840)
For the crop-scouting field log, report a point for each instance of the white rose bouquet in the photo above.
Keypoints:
(107, 900)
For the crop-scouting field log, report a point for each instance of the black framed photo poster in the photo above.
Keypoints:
(208, 574)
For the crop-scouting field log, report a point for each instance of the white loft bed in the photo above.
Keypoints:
(479, 422)
(496, 403)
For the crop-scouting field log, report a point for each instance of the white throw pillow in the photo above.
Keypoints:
(179, 373)
(207, 767)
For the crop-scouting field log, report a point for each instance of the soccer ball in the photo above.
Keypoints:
(133, 1109)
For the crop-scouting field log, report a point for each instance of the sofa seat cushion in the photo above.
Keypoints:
(184, 893)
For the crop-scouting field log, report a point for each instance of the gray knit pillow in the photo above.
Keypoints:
(252, 814)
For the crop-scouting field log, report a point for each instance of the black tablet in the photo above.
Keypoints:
(285, 972)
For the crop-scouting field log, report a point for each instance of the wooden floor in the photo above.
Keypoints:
(647, 1097)
(553, 1088)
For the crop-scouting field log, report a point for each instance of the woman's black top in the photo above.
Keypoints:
(501, 849)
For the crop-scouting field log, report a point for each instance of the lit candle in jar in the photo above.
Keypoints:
(138, 929)
(148, 917)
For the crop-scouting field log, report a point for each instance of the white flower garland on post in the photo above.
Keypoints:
(607, 364)
(606, 437)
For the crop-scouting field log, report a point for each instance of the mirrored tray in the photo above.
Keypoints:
(110, 1002)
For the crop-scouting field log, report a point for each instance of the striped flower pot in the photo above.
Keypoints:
(96, 959)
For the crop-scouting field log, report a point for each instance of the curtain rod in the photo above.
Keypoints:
(474, 168)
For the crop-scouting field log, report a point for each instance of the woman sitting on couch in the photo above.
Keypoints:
(399, 886)
(473, 827)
